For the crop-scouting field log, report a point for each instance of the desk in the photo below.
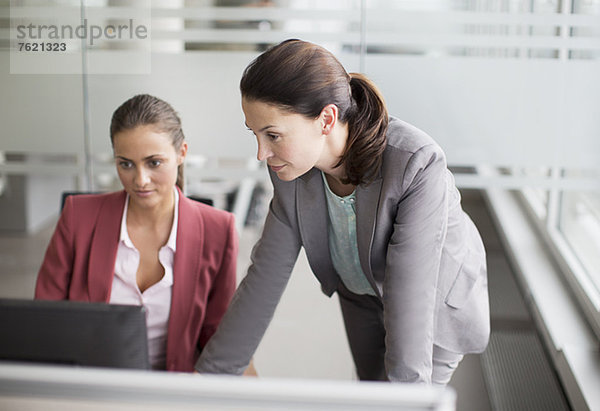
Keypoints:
(49, 387)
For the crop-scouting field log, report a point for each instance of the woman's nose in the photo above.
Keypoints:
(142, 177)
(264, 151)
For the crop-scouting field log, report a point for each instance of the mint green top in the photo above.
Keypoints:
(343, 245)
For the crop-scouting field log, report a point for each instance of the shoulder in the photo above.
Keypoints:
(82, 213)
(96, 199)
(90, 204)
(210, 230)
(210, 216)
(404, 137)
(404, 141)
(408, 151)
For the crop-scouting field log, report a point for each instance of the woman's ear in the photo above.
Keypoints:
(182, 153)
(328, 118)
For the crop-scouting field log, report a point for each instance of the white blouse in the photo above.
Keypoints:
(157, 298)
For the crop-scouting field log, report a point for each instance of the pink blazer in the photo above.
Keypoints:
(80, 260)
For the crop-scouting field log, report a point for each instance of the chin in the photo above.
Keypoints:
(291, 175)
(287, 176)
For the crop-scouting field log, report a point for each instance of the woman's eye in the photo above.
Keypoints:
(155, 163)
(273, 136)
(126, 164)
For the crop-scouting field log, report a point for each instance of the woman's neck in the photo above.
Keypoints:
(151, 216)
(336, 176)
(338, 187)
(334, 149)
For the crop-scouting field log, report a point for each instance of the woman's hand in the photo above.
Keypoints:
(250, 370)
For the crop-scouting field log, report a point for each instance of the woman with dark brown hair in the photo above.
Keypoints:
(147, 244)
(371, 200)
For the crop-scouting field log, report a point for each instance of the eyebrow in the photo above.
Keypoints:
(145, 158)
(262, 129)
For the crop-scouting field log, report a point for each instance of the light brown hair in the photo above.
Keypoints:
(144, 109)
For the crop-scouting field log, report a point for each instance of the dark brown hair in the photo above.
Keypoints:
(302, 77)
(144, 109)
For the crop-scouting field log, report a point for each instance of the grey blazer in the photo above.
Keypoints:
(421, 253)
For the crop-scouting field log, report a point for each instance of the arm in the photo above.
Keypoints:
(55, 273)
(254, 302)
(412, 266)
(223, 286)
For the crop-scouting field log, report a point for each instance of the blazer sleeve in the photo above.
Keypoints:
(55, 273)
(412, 266)
(254, 302)
(223, 286)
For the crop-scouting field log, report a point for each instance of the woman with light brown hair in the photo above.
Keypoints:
(147, 244)
(372, 202)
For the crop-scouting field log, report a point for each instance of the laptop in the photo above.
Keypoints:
(74, 333)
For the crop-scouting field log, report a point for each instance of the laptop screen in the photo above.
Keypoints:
(76, 333)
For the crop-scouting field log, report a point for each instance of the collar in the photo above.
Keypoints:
(314, 173)
(350, 197)
(171, 242)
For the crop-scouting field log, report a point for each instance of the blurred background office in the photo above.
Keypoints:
(509, 88)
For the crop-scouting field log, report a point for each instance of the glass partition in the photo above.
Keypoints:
(503, 84)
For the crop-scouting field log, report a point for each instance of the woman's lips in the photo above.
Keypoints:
(143, 193)
(277, 168)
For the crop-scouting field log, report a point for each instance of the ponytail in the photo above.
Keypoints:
(367, 126)
(180, 178)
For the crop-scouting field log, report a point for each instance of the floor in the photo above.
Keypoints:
(306, 338)
(515, 369)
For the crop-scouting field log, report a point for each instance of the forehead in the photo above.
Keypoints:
(260, 114)
(142, 141)
(262, 110)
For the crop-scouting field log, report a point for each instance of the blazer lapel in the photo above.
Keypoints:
(367, 205)
(103, 249)
(313, 223)
(185, 273)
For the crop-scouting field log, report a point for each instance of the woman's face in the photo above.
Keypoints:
(290, 143)
(147, 164)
